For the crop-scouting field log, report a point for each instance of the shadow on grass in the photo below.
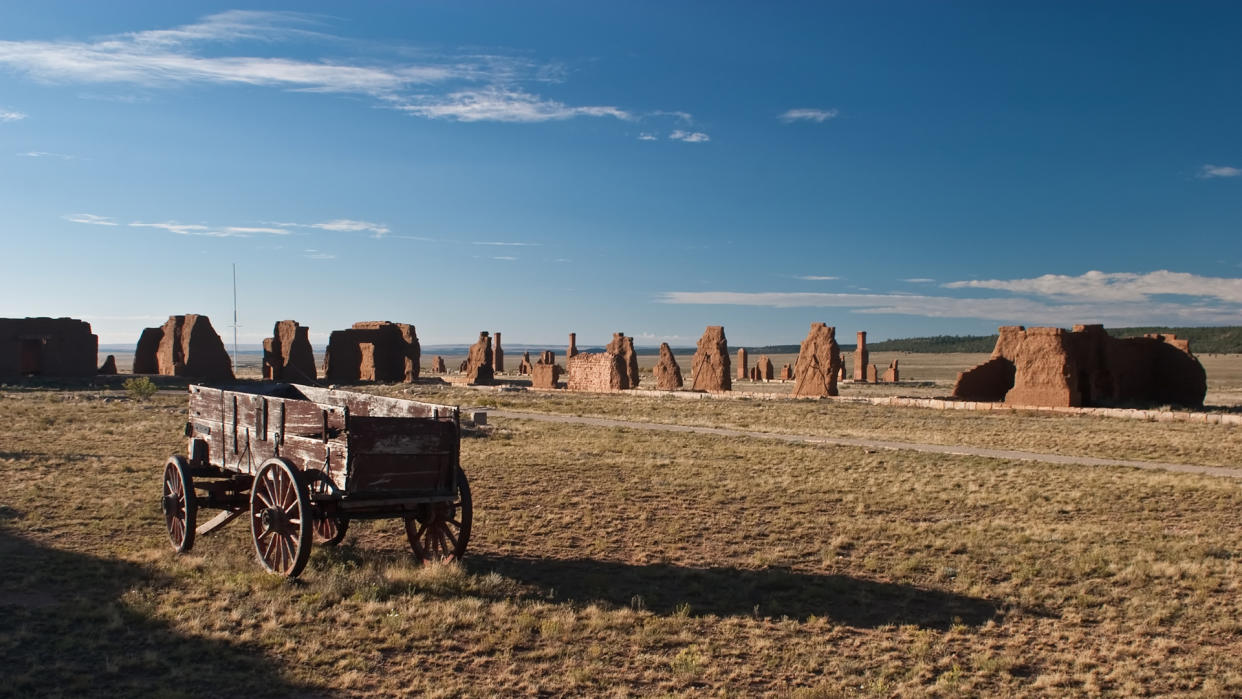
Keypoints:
(67, 631)
(769, 593)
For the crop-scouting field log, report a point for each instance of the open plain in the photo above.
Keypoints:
(610, 561)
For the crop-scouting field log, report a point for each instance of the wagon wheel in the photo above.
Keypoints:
(439, 531)
(280, 518)
(178, 503)
(329, 529)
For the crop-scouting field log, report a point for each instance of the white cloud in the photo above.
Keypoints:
(504, 257)
(209, 231)
(347, 225)
(463, 87)
(818, 116)
(646, 136)
(508, 245)
(502, 104)
(815, 278)
(919, 280)
(689, 137)
(91, 219)
(1210, 171)
(44, 154)
(10, 115)
(318, 255)
(1115, 286)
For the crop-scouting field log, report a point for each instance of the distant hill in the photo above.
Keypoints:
(1213, 340)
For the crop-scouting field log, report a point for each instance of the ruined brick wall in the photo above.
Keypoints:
(892, 374)
(498, 355)
(373, 351)
(525, 366)
(287, 354)
(861, 357)
(623, 347)
(766, 371)
(573, 346)
(545, 375)
(787, 373)
(1085, 367)
(146, 360)
(819, 363)
(47, 347)
(710, 365)
(667, 372)
(437, 365)
(743, 364)
(479, 362)
(596, 371)
(190, 347)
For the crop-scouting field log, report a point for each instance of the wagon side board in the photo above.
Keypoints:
(239, 431)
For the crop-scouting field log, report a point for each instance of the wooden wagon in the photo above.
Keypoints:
(304, 461)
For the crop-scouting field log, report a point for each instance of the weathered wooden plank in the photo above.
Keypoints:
(387, 435)
(218, 521)
(406, 472)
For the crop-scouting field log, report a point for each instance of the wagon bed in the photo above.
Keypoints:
(300, 457)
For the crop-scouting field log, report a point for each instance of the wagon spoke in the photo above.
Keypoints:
(281, 525)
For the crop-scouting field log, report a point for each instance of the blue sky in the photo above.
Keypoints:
(901, 168)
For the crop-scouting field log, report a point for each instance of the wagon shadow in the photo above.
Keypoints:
(725, 591)
(71, 629)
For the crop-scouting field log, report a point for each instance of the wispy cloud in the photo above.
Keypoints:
(1114, 299)
(689, 136)
(507, 245)
(347, 225)
(1115, 286)
(467, 87)
(319, 255)
(198, 229)
(815, 278)
(44, 154)
(647, 136)
(10, 115)
(1208, 172)
(91, 219)
(919, 280)
(504, 257)
(818, 116)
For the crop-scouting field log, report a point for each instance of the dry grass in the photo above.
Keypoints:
(617, 562)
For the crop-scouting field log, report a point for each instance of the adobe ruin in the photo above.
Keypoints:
(861, 357)
(287, 354)
(573, 346)
(479, 362)
(546, 357)
(1085, 367)
(891, 375)
(667, 373)
(873, 374)
(47, 347)
(710, 366)
(766, 371)
(437, 365)
(545, 373)
(372, 351)
(743, 365)
(787, 373)
(597, 372)
(498, 355)
(819, 363)
(623, 347)
(184, 346)
(108, 368)
(525, 367)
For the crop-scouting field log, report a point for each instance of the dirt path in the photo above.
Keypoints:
(872, 443)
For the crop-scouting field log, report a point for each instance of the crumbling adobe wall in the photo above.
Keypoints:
(287, 354)
(184, 346)
(861, 357)
(525, 367)
(437, 365)
(573, 346)
(596, 371)
(623, 347)
(47, 347)
(819, 363)
(892, 374)
(1085, 367)
(545, 375)
(479, 362)
(787, 373)
(710, 365)
(667, 372)
(498, 355)
(766, 371)
(373, 351)
(743, 364)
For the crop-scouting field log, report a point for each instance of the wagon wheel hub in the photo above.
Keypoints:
(169, 503)
(274, 519)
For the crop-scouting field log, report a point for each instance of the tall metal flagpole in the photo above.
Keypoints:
(235, 318)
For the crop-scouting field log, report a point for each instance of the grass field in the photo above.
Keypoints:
(619, 562)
